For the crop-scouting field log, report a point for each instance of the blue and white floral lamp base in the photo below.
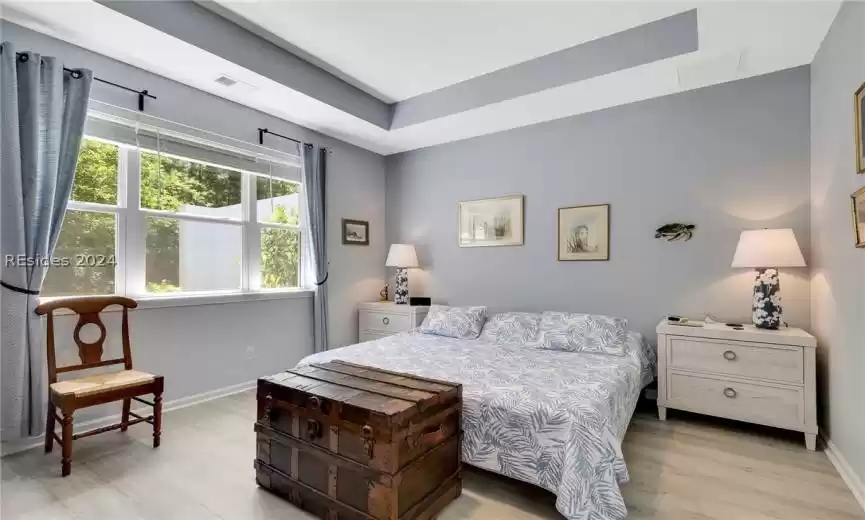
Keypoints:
(766, 310)
(757, 249)
(401, 256)
(400, 294)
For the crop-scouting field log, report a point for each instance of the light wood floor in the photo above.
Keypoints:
(686, 468)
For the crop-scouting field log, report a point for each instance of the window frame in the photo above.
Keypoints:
(131, 232)
(257, 228)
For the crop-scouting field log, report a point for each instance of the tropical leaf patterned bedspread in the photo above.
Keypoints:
(553, 419)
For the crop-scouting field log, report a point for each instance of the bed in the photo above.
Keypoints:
(553, 419)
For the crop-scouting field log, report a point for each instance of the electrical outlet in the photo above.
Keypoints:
(250, 352)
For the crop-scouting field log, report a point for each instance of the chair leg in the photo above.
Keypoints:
(66, 425)
(157, 417)
(49, 427)
(124, 419)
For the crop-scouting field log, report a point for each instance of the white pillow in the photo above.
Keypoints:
(454, 322)
(512, 328)
(577, 332)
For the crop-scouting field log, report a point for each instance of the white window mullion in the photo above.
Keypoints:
(135, 226)
(251, 234)
(120, 241)
(303, 280)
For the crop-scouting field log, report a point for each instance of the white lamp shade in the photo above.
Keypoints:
(768, 248)
(401, 255)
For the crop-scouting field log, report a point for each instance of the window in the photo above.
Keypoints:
(278, 214)
(88, 237)
(157, 214)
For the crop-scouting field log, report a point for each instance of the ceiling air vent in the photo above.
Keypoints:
(226, 81)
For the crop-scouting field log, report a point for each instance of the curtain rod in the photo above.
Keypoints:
(23, 56)
(141, 93)
(262, 131)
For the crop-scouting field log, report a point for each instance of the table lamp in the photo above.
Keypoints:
(401, 256)
(765, 250)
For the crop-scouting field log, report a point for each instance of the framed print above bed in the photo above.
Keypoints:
(859, 107)
(584, 233)
(491, 222)
(859, 216)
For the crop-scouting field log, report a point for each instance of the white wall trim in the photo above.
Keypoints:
(17, 446)
(845, 470)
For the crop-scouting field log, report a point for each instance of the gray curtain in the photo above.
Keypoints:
(314, 182)
(42, 114)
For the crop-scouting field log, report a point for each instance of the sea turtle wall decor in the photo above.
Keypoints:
(675, 231)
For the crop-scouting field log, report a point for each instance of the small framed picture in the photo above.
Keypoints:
(584, 233)
(858, 201)
(859, 107)
(355, 232)
(491, 222)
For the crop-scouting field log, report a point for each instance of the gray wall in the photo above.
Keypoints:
(838, 269)
(727, 158)
(200, 349)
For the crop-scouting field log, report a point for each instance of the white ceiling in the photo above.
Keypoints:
(402, 49)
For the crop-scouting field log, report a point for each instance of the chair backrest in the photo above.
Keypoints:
(87, 309)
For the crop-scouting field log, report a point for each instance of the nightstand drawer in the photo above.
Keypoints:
(385, 322)
(737, 359)
(760, 404)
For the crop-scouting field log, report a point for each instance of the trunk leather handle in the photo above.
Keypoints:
(429, 435)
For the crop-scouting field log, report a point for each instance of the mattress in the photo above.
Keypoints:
(553, 419)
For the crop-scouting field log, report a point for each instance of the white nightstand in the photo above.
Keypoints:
(379, 319)
(753, 375)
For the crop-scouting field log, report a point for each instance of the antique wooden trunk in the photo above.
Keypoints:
(349, 442)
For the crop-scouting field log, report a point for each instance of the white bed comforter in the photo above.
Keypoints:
(553, 419)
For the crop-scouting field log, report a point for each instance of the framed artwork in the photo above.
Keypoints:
(491, 222)
(859, 107)
(355, 232)
(584, 233)
(858, 201)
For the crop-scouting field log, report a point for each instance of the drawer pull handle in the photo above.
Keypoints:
(730, 393)
(729, 355)
(385, 320)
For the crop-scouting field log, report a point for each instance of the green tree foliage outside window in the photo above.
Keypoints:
(85, 232)
(167, 183)
(280, 248)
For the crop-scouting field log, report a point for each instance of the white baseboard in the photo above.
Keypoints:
(10, 447)
(843, 467)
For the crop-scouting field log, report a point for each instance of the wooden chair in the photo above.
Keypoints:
(73, 394)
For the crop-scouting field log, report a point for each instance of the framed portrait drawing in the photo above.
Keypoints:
(584, 233)
(859, 216)
(355, 232)
(859, 117)
(491, 222)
